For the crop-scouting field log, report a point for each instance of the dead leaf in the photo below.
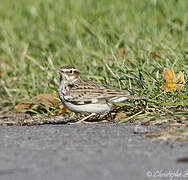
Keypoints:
(47, 99)
(4, 63)
(1, 74)
(119, 116)
(43, 103)
(62, 110)
(173, 83)
(122, 53)
(21, 106)
(180, 78)
(154, 55)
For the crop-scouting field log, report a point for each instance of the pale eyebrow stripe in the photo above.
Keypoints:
(67, 70)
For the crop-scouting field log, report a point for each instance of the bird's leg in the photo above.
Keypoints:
(85, 118)
(105, 116)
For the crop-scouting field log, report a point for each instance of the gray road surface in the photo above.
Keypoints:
(84, 152)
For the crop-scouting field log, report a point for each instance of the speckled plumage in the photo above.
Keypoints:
(86, 96)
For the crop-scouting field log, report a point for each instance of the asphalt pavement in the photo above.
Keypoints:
(88, 152)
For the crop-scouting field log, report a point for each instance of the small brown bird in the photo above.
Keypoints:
(87, 97)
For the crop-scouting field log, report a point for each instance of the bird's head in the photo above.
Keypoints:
(69, 74)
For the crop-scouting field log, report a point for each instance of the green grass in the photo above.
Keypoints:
(39, 36)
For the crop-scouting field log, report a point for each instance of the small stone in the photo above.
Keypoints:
(140, 130)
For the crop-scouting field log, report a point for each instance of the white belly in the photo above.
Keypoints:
(88, 108)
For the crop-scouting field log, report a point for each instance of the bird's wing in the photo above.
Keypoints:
(85, 92)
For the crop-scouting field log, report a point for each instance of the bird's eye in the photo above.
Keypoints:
(71, 71)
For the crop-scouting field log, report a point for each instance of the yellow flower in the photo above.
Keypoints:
(173, 83)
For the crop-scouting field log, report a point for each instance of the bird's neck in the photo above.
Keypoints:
(63, 87)
(66, 85)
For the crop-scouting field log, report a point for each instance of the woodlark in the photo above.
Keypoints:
(87, 97)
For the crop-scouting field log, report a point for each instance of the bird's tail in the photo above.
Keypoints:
(126, 97)
(136, 97)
